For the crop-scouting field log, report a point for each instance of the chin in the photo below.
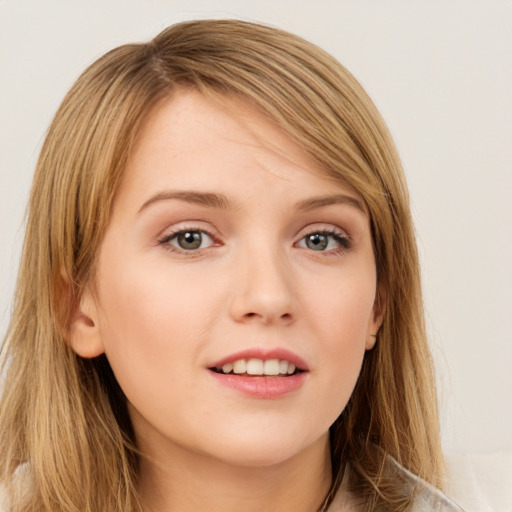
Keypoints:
(263, 450)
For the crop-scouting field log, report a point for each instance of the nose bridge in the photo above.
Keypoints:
(264, 284)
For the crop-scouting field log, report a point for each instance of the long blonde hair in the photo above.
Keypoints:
(66, 442)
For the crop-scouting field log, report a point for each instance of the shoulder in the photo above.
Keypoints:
(426, 496)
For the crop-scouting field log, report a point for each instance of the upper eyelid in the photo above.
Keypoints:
(172, 234)
(217, 235)
(330, 230)
(322, 227)
(164, 241)
(193, 225)
(167, 237)
(199, 225)
(344, 240)
(327, 232)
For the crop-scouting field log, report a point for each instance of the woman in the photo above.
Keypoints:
(219, 300)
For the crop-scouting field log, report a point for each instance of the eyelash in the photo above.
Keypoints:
(343, 240)
(165, 240)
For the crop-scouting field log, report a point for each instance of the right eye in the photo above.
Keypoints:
(187, 240)
(327, 241)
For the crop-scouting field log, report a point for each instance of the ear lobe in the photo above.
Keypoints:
(376, 319)
(83, 334)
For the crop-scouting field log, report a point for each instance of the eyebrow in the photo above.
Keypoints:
(209, 199)
(215, 200)
(319, 202)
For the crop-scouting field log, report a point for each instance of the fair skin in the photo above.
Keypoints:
(225, 243)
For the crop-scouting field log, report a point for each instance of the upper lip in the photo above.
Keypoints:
(282, 354)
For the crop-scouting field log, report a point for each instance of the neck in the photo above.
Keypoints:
(182, 481)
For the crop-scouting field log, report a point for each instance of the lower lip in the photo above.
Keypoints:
(261, 386)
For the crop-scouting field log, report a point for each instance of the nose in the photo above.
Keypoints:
(263, 289)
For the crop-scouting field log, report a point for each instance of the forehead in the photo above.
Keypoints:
(188, 118)
(193, 137)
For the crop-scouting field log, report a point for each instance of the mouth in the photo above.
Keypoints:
(255, 367)
(261, 374)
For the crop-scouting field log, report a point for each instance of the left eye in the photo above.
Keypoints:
(189, 240)
(322, 241)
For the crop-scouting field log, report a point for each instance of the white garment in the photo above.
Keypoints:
(476, 482)
(427, 497)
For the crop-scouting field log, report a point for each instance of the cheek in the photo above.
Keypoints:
(153, 324)
(342, 313)
(341, 318)
(161, 299)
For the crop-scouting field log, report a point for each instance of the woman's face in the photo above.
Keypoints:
(235, 287)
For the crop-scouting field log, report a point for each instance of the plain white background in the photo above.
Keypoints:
(441, 74)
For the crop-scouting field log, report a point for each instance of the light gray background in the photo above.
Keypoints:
(441, 74)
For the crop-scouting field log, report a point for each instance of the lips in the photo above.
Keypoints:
(271, 363)
(261, 374)
(255, 366)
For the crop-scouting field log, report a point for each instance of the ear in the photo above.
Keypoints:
(78, 315)
(84, 334)
(376, 318)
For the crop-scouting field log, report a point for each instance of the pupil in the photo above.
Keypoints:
(317, 242)
(190, 240)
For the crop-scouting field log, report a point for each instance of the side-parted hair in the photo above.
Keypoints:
(66, 441)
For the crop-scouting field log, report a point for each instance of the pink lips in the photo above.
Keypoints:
(260, 353)
(262, 387)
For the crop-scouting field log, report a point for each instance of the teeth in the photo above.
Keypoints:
(240, 366)
(255, 367)
(227, 367)
(259, 367)
(271, 367)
